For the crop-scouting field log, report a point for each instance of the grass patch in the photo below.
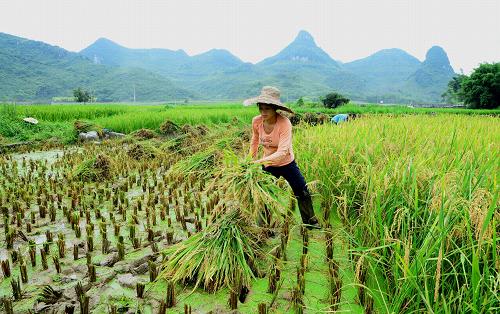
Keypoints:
(14, 129)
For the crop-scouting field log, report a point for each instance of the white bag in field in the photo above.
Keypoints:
(30, 120)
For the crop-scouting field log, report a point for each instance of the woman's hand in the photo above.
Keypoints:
(262, 162)
(248, 160)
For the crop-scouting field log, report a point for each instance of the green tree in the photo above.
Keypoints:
(300, 102)
(482, 88)
(452, 93)
(333, 100)
(82, 95)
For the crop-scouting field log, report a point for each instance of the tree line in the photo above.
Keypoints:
(479, 90)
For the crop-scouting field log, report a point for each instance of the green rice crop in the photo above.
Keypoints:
(393, 109)
(14, 129)
(59, 113)
(420, 197)
(153, 119)
(126, 118)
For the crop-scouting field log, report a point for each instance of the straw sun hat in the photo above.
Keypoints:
(268, 95)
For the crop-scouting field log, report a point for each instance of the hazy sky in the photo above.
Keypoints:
(469, 30)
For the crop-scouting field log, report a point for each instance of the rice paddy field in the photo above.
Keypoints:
(175, 218)
(58, 119)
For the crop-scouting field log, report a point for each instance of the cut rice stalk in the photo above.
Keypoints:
(222, 254)
(257, 191)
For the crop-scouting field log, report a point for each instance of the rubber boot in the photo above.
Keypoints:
(304, 202)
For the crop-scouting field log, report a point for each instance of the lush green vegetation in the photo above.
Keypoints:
(334, 100)
(57, 120)
(481, 89)
(14, 129)
(452, 93)
(420, 200)
(82, 95)
(411, 201)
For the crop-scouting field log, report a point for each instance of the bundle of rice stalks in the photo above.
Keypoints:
(245, 134)
(256, 191)
(183, 145)
(221, 255)
(241, 139)
(87, 126)
(189, 129)
(204, 161)
(310, 117)
(202, 129)
(323, 118)
(200, 163)
(83, 126)
(143, 150)
(145, 134)
(94, 169)
(127, 139)
(293, 117)
(172, 145)
(169, 128)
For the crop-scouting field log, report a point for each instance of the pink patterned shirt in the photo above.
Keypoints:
(277, 144)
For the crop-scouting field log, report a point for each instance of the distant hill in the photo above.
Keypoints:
(430, 80)
(105, 51)
(174, 64)
(302, 51)
(36, 70)
(33, 70)
(301, 68)
(394, 75)
(384, 69)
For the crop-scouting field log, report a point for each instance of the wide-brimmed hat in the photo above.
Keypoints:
(268, 95)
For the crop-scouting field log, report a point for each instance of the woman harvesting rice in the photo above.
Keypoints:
(274, 132)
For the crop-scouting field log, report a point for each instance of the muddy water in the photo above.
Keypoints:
(50, 156)
(70, 269)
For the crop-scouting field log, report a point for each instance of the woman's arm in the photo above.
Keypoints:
(254, 143)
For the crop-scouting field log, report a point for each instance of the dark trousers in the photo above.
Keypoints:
(294, 177)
